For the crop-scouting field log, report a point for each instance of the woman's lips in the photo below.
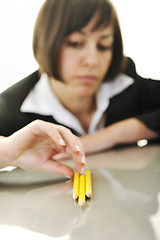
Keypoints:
(87, 78)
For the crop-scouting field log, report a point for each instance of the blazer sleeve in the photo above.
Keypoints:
(149, 103)
(5, 118)
(147, 97)
(10, 102)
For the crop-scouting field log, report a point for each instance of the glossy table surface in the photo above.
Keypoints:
(125, 203)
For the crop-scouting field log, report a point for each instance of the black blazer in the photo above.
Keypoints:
(140, 100)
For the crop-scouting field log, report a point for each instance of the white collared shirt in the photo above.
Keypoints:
(42, 100)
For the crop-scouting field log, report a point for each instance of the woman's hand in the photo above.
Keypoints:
(123, 132)
(34, 147)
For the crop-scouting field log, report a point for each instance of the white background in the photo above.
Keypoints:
(139, 20)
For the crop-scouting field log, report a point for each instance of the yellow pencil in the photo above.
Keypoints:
(82, 197)
(76, 186)
(88, 184)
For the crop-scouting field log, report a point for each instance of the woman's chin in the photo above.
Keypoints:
(85, 92)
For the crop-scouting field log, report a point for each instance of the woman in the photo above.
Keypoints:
(84, 82)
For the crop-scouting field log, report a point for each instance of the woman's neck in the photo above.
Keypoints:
(71, 101)
(81, 107)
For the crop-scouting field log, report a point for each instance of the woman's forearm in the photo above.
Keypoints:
(126, 131)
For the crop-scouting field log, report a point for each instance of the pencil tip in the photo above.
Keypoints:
(75, 196)
(81, 203)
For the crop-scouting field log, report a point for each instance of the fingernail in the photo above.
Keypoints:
(83, 160)
(61, 141)
(78, 148)
(68, 177)
(55, 157)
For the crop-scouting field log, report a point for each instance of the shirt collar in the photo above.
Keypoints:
(42, 100)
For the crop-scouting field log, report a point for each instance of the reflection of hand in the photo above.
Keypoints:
(33, 148)
(49, 210)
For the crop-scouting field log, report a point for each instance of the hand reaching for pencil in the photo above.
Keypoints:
(34, 147)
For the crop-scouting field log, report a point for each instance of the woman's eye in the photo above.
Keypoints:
(74, 44)
(104, 48)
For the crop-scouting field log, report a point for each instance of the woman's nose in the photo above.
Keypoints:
(91, 56)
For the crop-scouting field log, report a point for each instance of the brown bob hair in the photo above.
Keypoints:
(59, 18)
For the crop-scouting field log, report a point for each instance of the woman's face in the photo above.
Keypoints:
(85, 58)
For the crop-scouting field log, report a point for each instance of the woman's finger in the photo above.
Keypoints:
(73, 145)
(61, 156)
(57, 167)
(45, 128)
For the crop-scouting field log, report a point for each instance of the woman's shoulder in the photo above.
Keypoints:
(19, 90)
(130, 68)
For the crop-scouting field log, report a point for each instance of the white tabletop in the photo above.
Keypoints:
(125, 203)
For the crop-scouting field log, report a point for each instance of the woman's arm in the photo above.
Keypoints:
(123, 132)
(34, 146)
